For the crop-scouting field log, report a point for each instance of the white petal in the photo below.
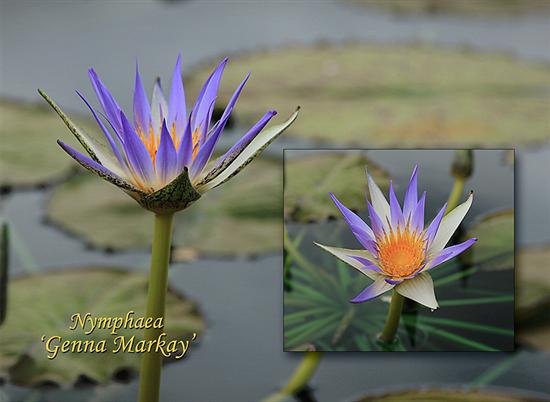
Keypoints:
(379, 202)
(346, 255)
(448, 225)
(159, 108)
(253, 149)
(420, 289)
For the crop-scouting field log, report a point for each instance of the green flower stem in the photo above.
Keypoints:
(303, 373)
(392, 321)
(149, 386)
(456, 193)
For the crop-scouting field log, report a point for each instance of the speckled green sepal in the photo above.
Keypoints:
(177, 195)
(73, 128)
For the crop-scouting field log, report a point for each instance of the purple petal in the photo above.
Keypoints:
(166, 159)
(417, 217)
(138, 157)
(368, 264)
(108, 103)
(376, 223)
(97, 168)
(112, 143)
(450, 252)
(207, 149)
(206, 97)
(240, 145)
(142, 111)
(185, 151)
(177, 111)
(360, 229)
(432, 229)
(378, 287)
(411, 195)
(396, 215)
(392, 282)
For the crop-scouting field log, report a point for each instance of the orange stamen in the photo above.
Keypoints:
(401, 253)
(196, 138)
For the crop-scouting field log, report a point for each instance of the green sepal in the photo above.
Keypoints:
(175, 196)
(73, 128)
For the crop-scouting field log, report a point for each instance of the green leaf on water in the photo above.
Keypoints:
(382, 95)
(446, 395)
(240, 218)
(495, 248)
(29, 154)
(309, 179)
(42, 304)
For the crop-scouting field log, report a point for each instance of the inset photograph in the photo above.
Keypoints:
(399, 250)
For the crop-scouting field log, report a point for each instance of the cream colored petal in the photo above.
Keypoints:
(420, 289)
(378, 201)
(448, 226)
(346, 255)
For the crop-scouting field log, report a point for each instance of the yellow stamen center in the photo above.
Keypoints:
(401, 253)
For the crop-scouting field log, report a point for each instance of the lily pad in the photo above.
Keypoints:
(240, 218)
(309, 179)
(368, 95)
(533, 284)
(495, 251)
(42, 304)
(485, 8)
(29, 155)
(447, 395)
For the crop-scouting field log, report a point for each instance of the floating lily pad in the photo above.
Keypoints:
(533, 279)
(309, 179)
(367, 95)
(485, 8)
(495, 250)
(29, 154)
(447, 395)
(241, 217)
(43, 304)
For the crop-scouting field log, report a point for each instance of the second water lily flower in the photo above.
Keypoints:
(161, 159)
(400, 249)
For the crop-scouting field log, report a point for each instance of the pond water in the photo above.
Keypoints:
(240, 356)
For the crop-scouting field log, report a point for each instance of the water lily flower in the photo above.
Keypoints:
(399, 249)
(161, 158)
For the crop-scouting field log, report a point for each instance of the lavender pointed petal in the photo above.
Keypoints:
(360, 229)
(159, 107)
(375, 221)
(185, 151)
(177, 110)
(368, 264)
(396, 215)
(417, 217)
(432, 229)
(166, 159)
(226, 159)
(142, 111)
(206, 97)
(378, 287)
(108, 103)
(450, 252)
(136, 153)
(207, 148)
(411, 195)
(98, 169)
(112, 143)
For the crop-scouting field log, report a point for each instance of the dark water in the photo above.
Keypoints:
(51, 44)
